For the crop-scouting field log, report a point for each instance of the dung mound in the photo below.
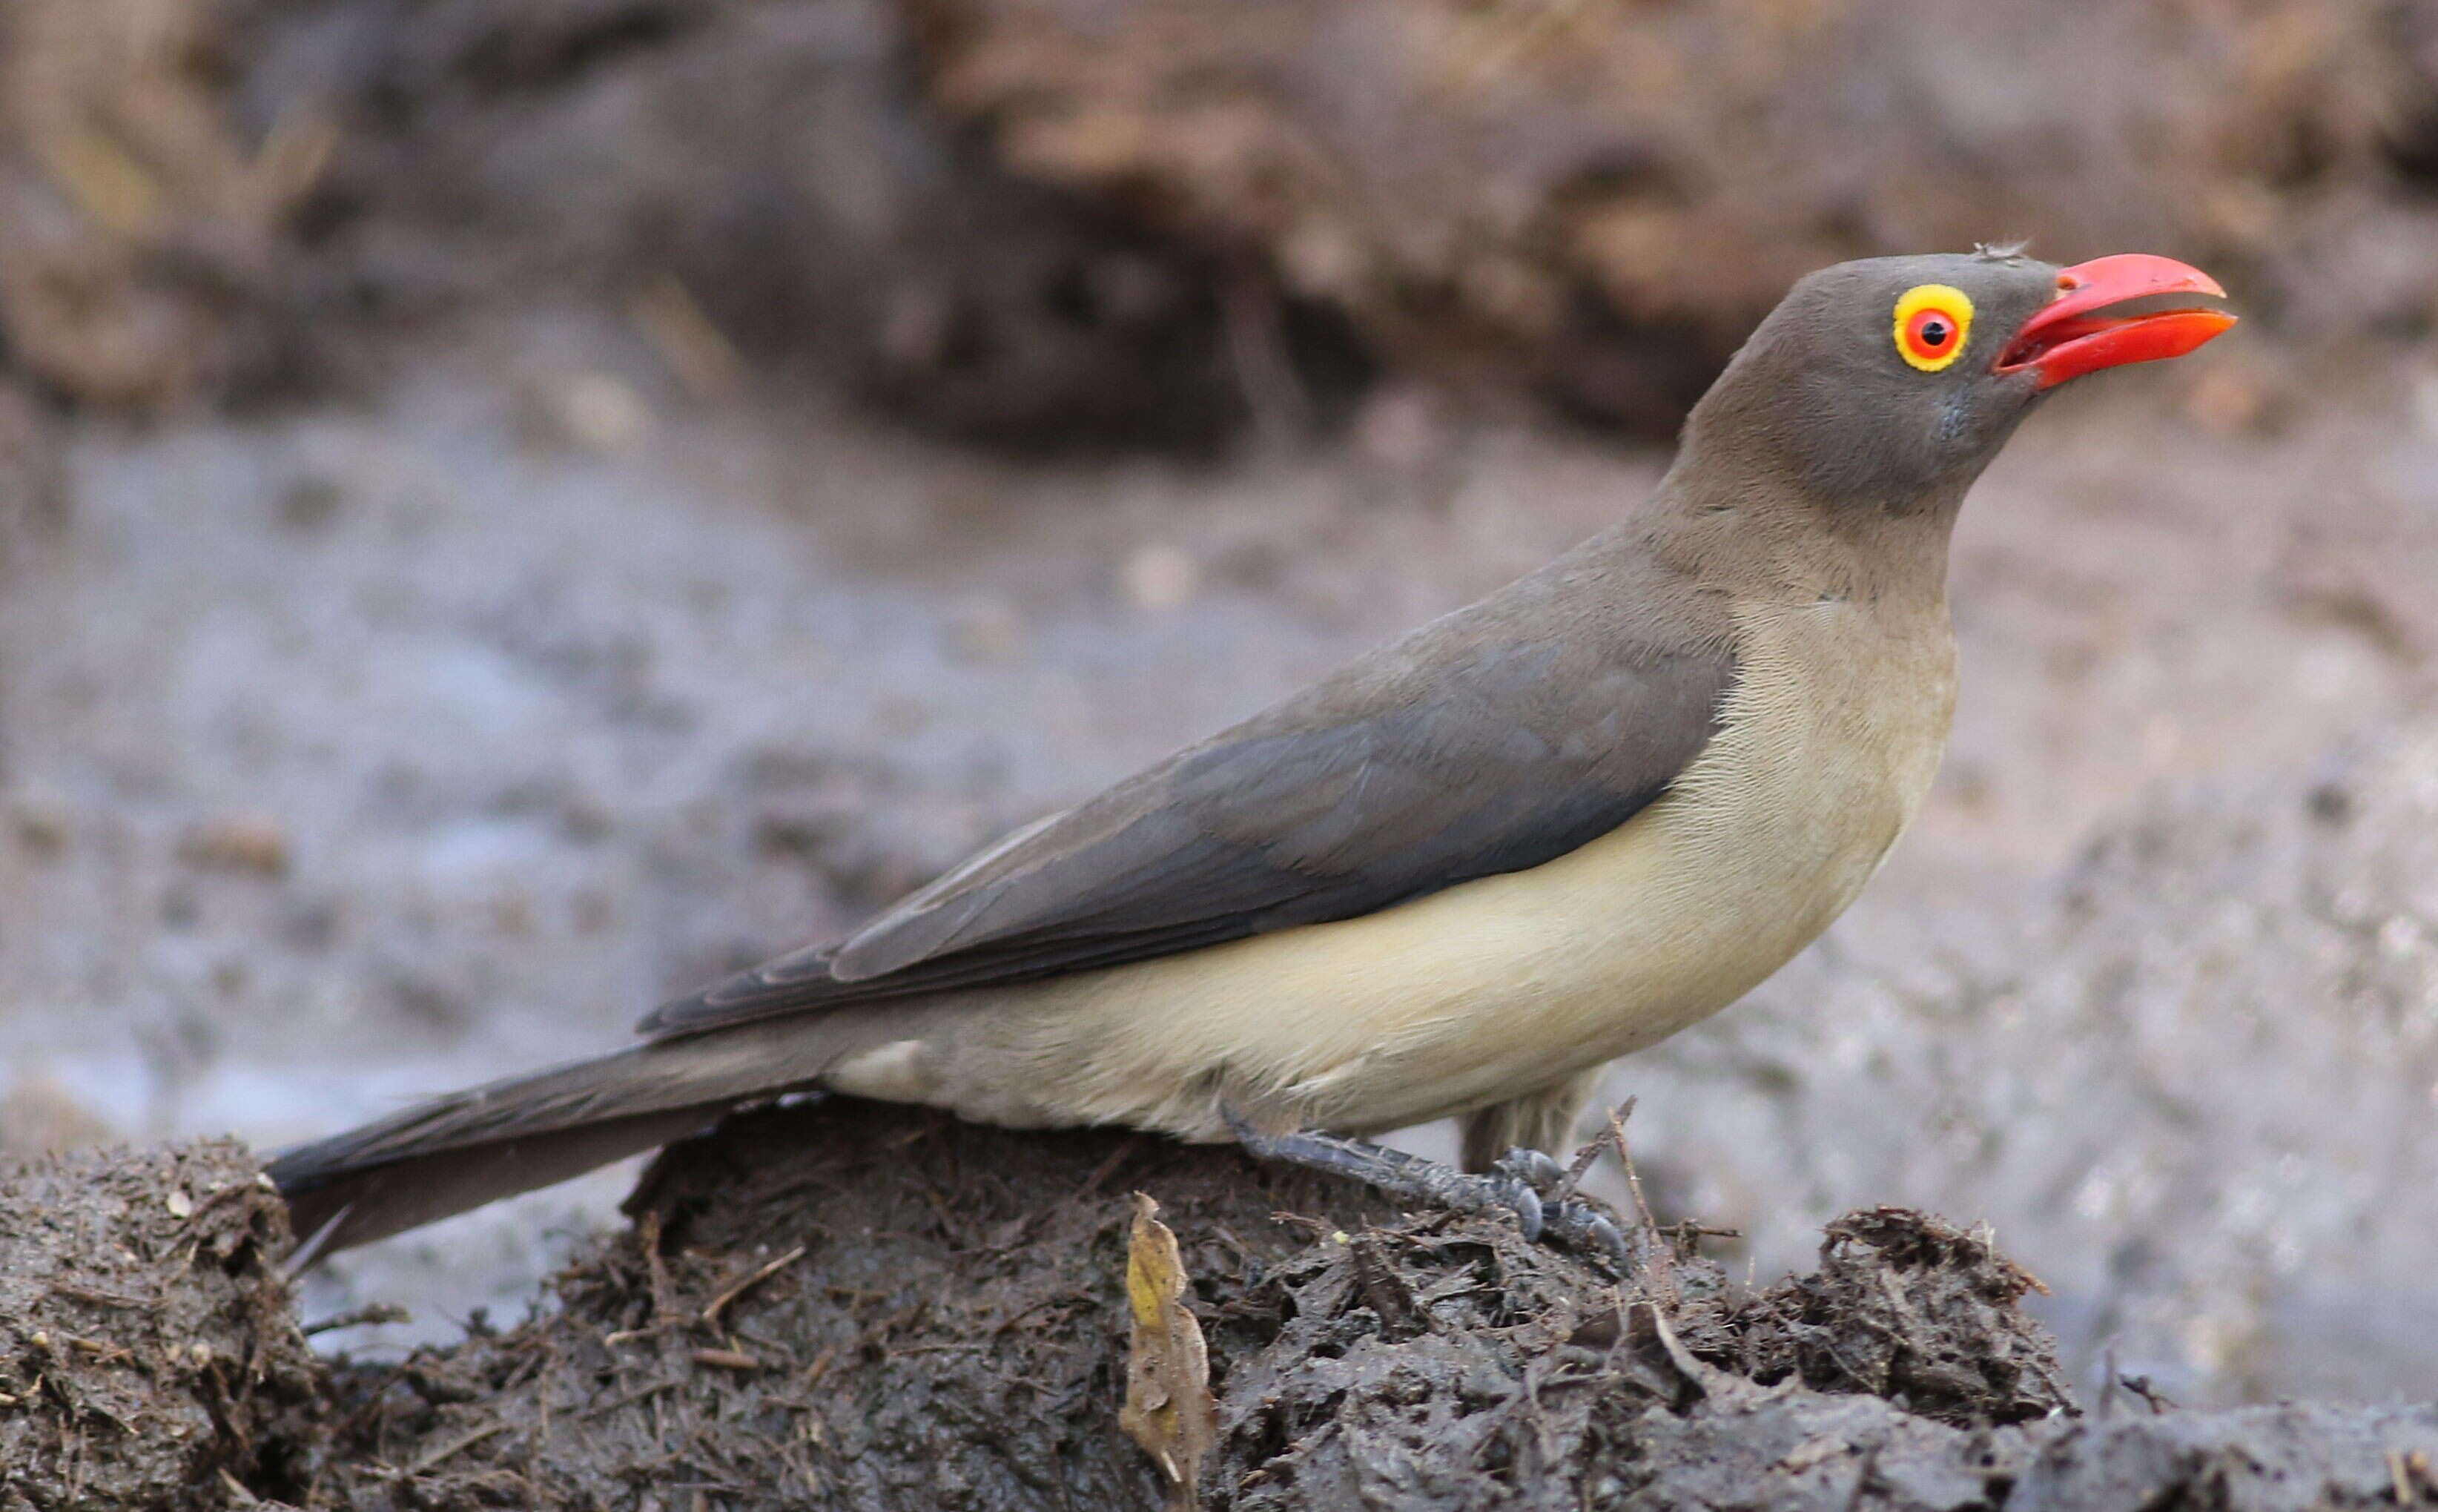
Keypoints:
(840, 1305)
(850, 1306)
(844, 1305)
(148, 1356)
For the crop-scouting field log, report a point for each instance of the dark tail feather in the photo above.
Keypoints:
(374, 1201)
(461, 1151)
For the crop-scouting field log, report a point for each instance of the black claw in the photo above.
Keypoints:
(1533, 1167)
(1585, 1229)
(1527, 1205)
(1606, 1235)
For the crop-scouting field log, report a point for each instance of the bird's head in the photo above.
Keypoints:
(1891, 381)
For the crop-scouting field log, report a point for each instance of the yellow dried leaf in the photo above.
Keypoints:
(1169, 1409)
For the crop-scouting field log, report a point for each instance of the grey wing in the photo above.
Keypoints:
(1466, 750)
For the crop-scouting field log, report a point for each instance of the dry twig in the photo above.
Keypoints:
(719, 1303)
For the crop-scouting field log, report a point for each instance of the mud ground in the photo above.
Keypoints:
(849, 1305)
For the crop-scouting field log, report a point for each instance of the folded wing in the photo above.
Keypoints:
(1492, 740)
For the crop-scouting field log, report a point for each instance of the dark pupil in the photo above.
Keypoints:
(1934, 332)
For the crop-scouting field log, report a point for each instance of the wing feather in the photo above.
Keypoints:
(1492, 740)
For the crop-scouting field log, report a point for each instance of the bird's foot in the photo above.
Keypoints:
(1577, 1225)
(1526, 1183)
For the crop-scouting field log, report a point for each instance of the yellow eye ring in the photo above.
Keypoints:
(1933, 320)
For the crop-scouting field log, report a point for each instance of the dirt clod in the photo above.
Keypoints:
(1906, 1308)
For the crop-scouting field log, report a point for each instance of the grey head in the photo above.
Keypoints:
(1872, 385)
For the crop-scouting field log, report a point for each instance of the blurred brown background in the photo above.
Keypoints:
(509, 509)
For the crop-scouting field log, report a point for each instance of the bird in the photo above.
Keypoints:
(1459, 875)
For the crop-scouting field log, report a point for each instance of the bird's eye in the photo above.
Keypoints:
(1932, 321)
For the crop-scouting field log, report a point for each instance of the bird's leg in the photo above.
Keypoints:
(1543, 1118)
(1401, 1174)
(1514, 1183)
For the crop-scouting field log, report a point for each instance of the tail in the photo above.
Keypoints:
(461, 1151)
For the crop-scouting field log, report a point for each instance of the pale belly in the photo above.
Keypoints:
(1503, 986)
